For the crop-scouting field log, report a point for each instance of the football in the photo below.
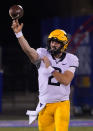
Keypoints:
(16, 11)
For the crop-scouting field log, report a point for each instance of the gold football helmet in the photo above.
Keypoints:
(59, 36)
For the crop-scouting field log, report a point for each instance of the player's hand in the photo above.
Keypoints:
(16, 26)
(46, 61)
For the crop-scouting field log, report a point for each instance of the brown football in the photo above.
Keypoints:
(16, 11)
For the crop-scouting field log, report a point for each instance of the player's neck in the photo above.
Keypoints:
(58, 56)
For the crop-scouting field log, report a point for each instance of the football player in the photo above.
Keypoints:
(56, 70)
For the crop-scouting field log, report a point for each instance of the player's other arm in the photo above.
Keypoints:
(30, 52)
(64, 78)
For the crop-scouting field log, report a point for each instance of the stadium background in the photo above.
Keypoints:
(18, 77)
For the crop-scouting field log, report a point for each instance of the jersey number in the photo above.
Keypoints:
(51, 77)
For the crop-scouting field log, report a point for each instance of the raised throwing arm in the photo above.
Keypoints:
(30, 52)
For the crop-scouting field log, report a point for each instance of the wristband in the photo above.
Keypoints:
(19, 34)
(50, 69)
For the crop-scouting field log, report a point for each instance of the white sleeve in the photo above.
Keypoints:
(41, 52)
(73, 61)
(72, 69)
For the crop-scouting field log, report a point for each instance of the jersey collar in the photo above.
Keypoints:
(61, 58)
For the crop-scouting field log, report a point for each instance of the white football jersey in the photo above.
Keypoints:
(50, 90)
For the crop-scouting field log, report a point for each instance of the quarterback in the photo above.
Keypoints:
(56, 69)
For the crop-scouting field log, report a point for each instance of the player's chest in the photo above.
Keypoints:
(62, 65)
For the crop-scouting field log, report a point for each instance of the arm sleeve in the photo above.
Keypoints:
(41, 52)
(73, 61)
(72, 69)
